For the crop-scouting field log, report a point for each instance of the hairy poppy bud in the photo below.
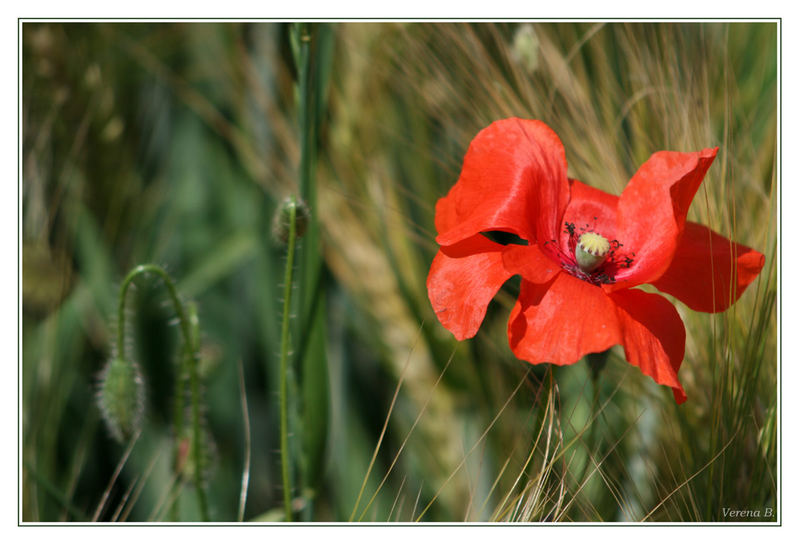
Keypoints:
(282, 221)
(121, 397)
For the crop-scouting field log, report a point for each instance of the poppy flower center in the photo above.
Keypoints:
(591, 251)
(590, 256)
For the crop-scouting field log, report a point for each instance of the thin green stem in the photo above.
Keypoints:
(284, 366)
(194, 384)
(190, 351)
(173, 294)
(590, 448)
(177, 420)
(596, 363)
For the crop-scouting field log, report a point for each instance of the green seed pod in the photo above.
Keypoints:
(121, 397)
(591, 251)
(282, 221)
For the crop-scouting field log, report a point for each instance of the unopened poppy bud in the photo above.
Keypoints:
(591, 250)
(282, 222)
(121, 397)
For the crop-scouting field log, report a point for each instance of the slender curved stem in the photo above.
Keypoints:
(190, 356)
(173, 294)
(284, 367)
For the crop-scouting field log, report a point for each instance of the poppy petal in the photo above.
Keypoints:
(709, 272)
(561, 321)
(514, 179)
(529, 262)
(591, 209)
(653, 336)
(463, 280)
(652, 211)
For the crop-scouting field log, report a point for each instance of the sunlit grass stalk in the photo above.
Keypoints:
(247, 447)
(189, 356)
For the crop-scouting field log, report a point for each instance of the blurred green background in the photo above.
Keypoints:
(173, 143)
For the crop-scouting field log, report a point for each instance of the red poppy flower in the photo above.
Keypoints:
(586, 250)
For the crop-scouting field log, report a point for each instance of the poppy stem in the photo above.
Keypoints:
(596, 364)
(284, 364)
(312, 46)
(187, 362)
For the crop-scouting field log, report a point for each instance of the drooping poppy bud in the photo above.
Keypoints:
(121, 397)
